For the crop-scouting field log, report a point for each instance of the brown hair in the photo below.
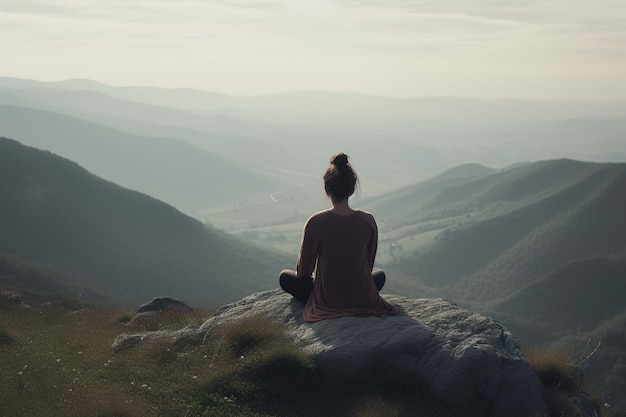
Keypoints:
(340, 180)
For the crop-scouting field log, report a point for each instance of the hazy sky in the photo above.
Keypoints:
(486, 48)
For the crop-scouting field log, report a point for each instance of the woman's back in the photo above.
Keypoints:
(339, 245)
(341, 249)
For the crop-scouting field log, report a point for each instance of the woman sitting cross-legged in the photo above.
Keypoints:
(335, 273)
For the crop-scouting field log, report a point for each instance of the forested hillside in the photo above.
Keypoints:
(125, 246)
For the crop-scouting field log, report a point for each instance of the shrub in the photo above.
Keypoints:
(264, 363)
(562, 379)
(250, 333)
(555, 370)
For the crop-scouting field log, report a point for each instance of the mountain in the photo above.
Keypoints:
(99, 107)
(289, 136)
(401, 203)
(168, 169)
(98, 236)
(495, 240)
(317, 105)
(275, 143)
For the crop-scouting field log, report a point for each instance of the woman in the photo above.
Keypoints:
(339, 245)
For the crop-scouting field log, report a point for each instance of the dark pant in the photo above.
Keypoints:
(300, 288)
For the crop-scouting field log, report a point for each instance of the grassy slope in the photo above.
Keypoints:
(60, 216)
(57, 362)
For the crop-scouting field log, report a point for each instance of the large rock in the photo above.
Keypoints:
(465, 359)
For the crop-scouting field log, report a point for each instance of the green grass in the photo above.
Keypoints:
(55, 361)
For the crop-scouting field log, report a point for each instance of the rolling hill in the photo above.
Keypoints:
(493, 240)
(86, 233)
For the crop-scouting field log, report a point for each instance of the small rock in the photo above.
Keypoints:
(162, 304)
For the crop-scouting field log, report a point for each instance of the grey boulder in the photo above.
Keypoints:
(463, 358)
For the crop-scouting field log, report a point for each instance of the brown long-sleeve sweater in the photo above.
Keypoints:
(341, 251)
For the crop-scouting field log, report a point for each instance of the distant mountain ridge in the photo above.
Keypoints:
(168, 169)
(57, 215)
(299, 102)
(288, 136)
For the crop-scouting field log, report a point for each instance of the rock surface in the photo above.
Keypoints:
(465, 359)
(158, 305)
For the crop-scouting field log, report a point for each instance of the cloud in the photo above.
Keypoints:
(389, 47)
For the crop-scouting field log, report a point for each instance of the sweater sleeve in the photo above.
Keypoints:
(372, 246)
(308, 252)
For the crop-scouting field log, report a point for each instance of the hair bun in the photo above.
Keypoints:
(339, 160)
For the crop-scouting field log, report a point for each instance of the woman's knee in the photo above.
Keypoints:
(379, 277)
(285, 277)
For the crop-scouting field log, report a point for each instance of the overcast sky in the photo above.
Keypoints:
(481, 48)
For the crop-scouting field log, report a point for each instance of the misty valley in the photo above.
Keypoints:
(511, 208)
